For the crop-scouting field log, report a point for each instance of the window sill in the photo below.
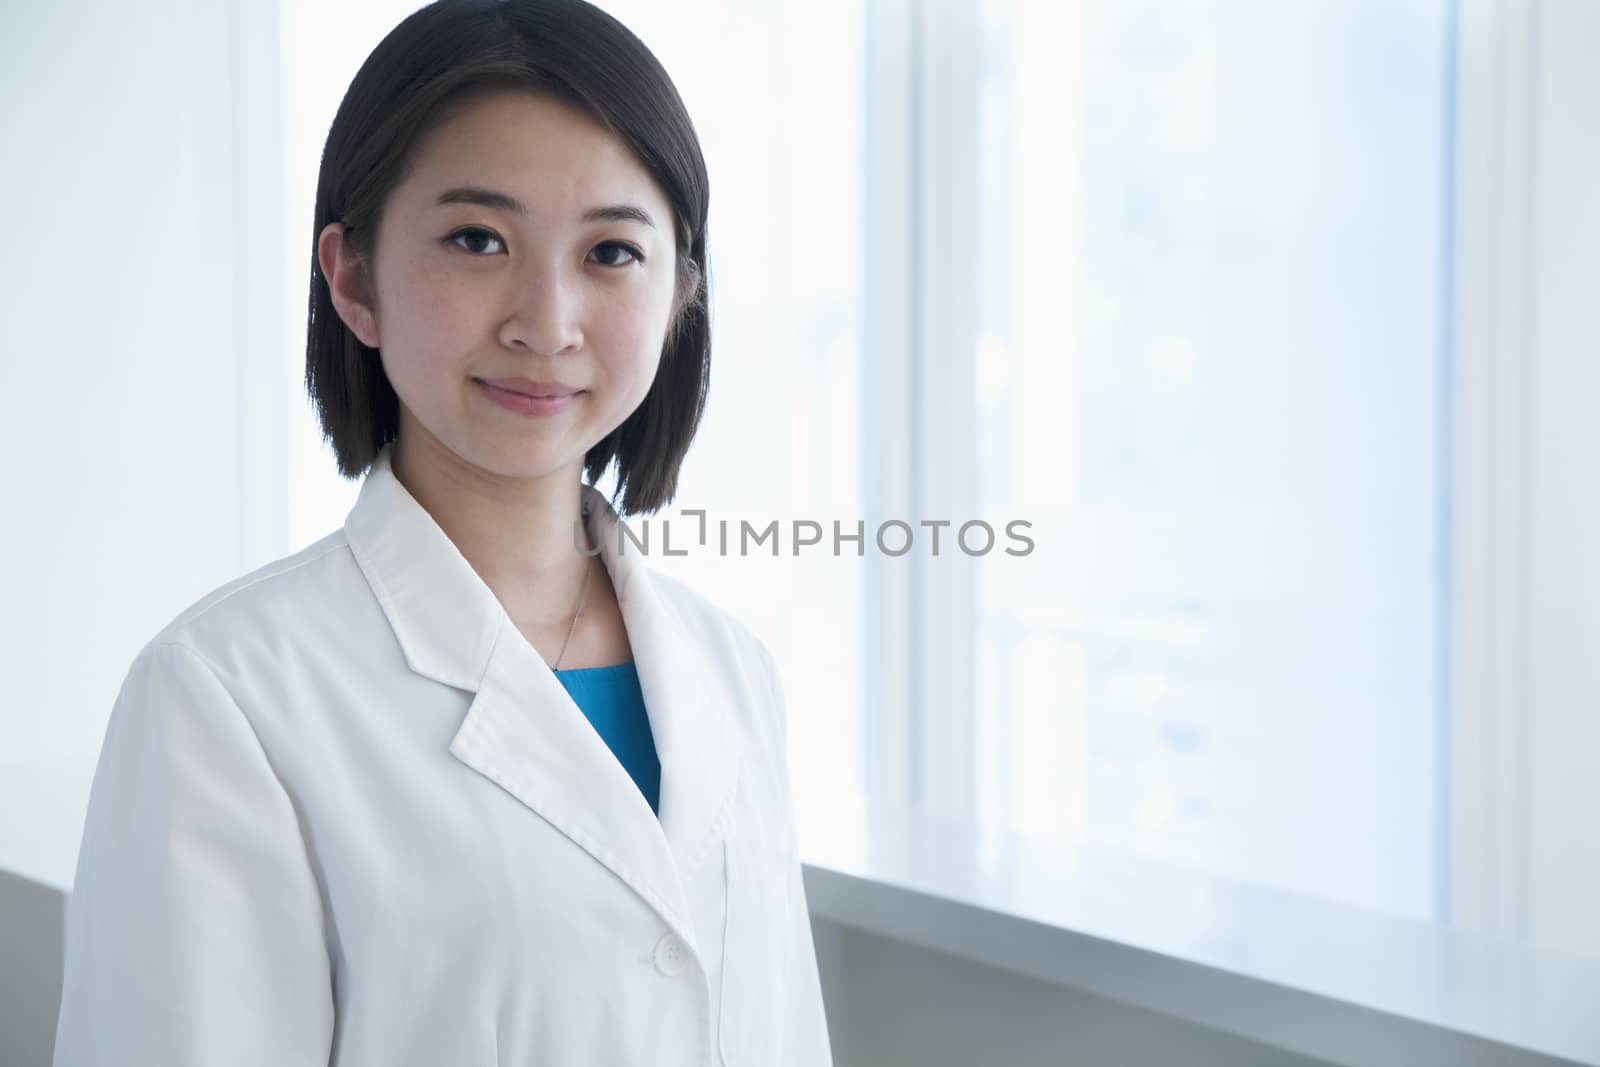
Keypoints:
(1314, 977)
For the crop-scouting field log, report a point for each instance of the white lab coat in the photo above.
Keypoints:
(346, 814)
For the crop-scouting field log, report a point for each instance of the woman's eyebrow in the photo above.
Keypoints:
(489, 198)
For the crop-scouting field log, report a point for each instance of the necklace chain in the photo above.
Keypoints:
(576, 611)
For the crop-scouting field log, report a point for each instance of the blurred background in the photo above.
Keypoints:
(1276, 321)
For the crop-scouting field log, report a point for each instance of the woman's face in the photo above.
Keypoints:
(527, 243)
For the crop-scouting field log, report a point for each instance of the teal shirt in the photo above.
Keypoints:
(610, 698)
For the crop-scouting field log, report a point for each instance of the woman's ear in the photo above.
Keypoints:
(347, 283)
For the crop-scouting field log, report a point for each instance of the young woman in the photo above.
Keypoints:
(465, 782)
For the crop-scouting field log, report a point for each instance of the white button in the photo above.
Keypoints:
(672, 955)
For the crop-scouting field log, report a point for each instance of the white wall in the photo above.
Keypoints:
(141, 348)
(1525, 584)
(128, 356)
(1564, 436)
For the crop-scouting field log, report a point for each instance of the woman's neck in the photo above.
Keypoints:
(517, 533)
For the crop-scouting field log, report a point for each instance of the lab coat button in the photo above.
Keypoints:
(671, 955)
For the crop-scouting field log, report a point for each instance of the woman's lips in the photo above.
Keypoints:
(528, 405)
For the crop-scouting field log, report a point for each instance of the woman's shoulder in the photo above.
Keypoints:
(712, 623)
(276, 597)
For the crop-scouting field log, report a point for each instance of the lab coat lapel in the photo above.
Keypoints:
(523, 732)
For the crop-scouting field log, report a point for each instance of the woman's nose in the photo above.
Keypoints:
(544, 316)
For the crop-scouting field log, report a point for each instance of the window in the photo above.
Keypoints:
(1210, 368)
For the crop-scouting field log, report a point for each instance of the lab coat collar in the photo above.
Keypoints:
(523, 732)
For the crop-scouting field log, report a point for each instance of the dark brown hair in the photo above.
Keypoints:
(437, 59)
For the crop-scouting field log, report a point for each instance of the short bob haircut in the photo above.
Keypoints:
(441, 55)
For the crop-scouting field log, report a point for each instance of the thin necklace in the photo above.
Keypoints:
(576, 611)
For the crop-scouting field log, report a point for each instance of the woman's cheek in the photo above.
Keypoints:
(445, 312)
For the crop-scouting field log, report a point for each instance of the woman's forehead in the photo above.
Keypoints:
(535, 149)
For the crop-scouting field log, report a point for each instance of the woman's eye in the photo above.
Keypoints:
(616, 246)
(604, 250)
(473, 234)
